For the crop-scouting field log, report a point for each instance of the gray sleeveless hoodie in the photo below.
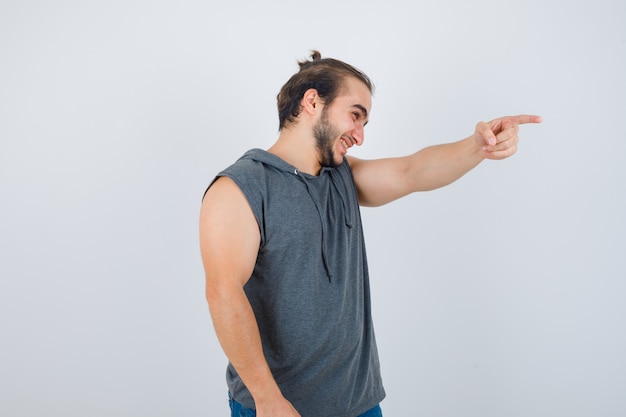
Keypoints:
(310, 287)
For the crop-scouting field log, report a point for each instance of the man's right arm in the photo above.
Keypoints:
(229, 243)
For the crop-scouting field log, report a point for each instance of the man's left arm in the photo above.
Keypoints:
(381, 181)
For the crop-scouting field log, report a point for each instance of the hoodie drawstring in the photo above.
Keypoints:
(347, 221)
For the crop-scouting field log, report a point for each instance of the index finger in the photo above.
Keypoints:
(520, 120)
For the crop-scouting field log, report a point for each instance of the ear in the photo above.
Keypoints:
(311, 101)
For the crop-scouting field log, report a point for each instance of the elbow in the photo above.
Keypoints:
(220, 292)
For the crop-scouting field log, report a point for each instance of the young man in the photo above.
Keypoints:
(282, 246)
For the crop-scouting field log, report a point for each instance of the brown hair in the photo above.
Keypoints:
(326, 75)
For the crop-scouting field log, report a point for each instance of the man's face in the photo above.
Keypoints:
(341, 123)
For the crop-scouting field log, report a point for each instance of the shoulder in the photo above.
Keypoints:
(224, 194)
(245, 174)
(245, 168)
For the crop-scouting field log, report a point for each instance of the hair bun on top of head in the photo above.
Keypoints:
(315, 56)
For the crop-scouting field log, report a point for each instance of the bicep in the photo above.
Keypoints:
(380, 181)
(229, 237)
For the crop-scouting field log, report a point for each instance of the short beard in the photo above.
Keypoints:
(325, 136)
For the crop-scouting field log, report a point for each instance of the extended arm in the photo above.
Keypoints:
(381, 181)
(229, 242)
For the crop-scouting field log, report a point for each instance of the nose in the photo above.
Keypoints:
(358, 134)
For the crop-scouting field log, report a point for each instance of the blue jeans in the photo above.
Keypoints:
(238, 410)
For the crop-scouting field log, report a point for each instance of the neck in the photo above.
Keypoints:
(298, 149)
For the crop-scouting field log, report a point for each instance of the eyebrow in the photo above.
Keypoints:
(363, 111)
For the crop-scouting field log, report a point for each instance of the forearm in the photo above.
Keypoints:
(381, 181)
(238, 333)
(437, 166)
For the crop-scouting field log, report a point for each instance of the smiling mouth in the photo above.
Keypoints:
(346, 142)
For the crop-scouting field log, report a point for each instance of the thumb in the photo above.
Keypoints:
(486, 134)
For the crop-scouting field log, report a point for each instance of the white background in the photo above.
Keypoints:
(500, 295)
